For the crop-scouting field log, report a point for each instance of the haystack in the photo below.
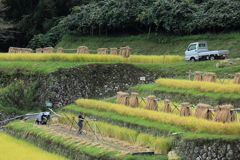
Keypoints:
(127, 52)
(224, 114)
(166, 107)
(122, 51)
(151, 103)
(199, 110)
(237, 78)
(60, 50)
(118, 97)
(198, 76)
(82, 49)
(210, 77)
(102, 51)
(204, 111)
(134, 100)
(39, 50)
(48, 50)
(12, 50)
(124, 99)
(185, 110)
(29, 50)
(113, 51)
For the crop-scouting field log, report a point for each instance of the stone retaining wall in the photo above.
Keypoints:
(65, 85)
(209, 149)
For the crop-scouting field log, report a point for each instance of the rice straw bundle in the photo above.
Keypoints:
(82, 49)
(113, 51)
(185, 110)
(11, 50)
(210, 77)
(102, 51)
(198, 76)
(199, 110)
(60, 50)
(28, 50)
(48, 50)
(206, 113)
(166, 107)
(124, 99)
(39, 50)
(237, 78)
(134, 100)
(127, 52)
(224, 114)
(118, 97)
(151, 103)
(123, 51)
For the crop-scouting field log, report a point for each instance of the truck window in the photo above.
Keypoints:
(192, 47)
(201, 44)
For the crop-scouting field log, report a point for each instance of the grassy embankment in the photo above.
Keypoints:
(161, 44)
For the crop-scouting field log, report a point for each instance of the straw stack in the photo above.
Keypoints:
(48, 50)
(210, 77)
(237, 78)
(166, 107)
(39, 50)
(82, 49)
(60, 50)
(134, 100)
(198, 76)
(118, 97)
(122, 51)
(102, 51)
(224, 114)
(113, 51)
(127, 52)
(151, 103)
(185, 110)
(124, 99)
(12, 50)
(203, 111)
(29, 50)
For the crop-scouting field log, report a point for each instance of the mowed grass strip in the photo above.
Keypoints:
(73, 57)
(12, 148)
(188, 123)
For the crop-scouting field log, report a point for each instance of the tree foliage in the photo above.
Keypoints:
(177, 16)
(35, 17)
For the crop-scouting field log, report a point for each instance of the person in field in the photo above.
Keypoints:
(80, 122)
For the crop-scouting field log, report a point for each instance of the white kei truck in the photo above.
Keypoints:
(199, 51)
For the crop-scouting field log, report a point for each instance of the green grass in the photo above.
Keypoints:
(14, 110)
(163, 70)
(36, 66)
(156, 44)
(142, 88)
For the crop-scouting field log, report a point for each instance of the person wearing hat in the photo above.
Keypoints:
(80, 122)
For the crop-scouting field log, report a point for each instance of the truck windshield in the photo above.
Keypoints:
(192, 47)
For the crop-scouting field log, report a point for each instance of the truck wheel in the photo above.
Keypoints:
(192, 59)
(211, 58)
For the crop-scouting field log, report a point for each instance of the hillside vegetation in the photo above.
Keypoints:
(160, 44)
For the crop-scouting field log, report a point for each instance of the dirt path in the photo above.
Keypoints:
(123, 147)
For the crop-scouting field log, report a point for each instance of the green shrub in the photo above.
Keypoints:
(20, 95)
